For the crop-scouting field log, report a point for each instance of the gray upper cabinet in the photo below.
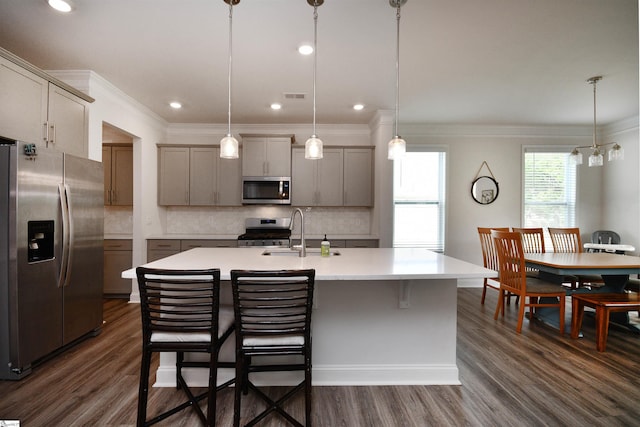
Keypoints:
(213, 181)
(32, 109)
(118, 174)
(67, 122)
(266, 156)
(173, 176)
(358, 177)
(317, 182)
(23, 103)
(197, 176)
(343, 177)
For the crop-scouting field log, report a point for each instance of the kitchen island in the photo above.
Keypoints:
(381, 316)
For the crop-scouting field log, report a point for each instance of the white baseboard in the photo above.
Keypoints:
(328, 375)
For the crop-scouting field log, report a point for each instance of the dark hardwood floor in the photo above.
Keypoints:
(536, 378)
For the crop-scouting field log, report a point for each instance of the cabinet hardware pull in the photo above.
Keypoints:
(52, 140)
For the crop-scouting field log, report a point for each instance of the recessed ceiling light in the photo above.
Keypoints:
(358, 107)
(276, 106)
(305, 49)
(175, 105)
(60, 5)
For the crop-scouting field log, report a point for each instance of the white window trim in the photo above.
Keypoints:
(543, 149)
(431, 148)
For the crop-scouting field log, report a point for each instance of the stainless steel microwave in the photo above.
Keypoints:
(266, 190)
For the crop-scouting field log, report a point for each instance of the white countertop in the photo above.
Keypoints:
(294, 236)
(351, 264)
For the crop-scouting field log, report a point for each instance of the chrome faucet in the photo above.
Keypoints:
(301, 248)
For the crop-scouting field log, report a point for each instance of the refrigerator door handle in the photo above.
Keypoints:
(70, 235)
(64, 262)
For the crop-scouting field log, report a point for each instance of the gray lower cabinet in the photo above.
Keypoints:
(161, 248)
(157, 249)
(185, 245)
(117, 258)
(361, 243)
(340, 243)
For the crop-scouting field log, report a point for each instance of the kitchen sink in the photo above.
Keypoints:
(290, 252)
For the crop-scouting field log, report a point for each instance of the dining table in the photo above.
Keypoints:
(614, 269)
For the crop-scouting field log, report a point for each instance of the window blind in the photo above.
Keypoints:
(549, 188)
(419, 199)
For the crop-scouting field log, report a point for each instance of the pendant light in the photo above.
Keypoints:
(397, 145)
(313, 146)
(228, 144)
(596, 158)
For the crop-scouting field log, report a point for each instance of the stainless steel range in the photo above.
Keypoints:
(266, 233)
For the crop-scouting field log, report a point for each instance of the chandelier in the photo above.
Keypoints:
(596, 158)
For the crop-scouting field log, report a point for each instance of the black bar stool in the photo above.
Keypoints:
(273, 318)
(181, 313)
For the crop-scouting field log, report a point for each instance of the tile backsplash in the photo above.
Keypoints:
(230, 221)
(118, 220)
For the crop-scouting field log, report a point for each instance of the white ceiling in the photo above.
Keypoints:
(513, 62)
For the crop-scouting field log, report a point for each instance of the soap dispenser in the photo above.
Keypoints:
(325, 247)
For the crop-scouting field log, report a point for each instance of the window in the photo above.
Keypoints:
(549, 188)
(418, 199)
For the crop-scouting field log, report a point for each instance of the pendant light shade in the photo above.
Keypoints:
(596, 158)
(397, 145)
(229, 145)
(397, 148)
(313, 146)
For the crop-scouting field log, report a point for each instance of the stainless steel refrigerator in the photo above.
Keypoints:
(51, 253)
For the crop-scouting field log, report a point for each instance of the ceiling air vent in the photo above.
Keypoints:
(295, 96)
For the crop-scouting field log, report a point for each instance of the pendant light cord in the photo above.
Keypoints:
(230, 60)
(315, 62)
(397, 67)
(595, 146)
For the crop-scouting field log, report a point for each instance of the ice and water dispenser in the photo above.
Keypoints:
(41, 240)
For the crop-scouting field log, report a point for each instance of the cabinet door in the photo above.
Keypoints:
(121, 175)
(329, 181)
(303, 179)
(157, 249)
(67, 122)
(361, 243)
(358, 177)
(106, 167)
(229, 182)
(278, 157)
(253, 156)
(185, 245)
(23, 103)
(264, 156)
(173, 174)
(202, 176)
(117, 258)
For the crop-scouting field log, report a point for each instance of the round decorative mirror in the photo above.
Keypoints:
(484, 190)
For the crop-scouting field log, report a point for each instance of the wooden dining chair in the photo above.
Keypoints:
(568, 240)
(532, 239)
(532, 243)
(489, 259)
(533, 292)
(273, 322)
(181, 312)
